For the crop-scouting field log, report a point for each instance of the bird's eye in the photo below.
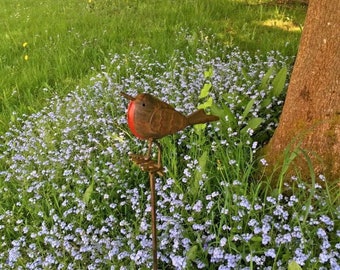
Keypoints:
(143, 104)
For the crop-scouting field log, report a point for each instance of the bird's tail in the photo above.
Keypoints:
(200, 117)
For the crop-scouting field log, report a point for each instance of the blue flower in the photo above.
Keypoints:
(198, 206)
(270, 253)
(179, 262)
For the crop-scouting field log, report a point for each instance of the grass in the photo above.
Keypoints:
(70, 197)
(67, 42)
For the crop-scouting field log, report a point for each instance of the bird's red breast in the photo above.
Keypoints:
(130, 118)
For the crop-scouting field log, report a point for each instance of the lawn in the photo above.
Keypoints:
(72, 199)
(48, 48)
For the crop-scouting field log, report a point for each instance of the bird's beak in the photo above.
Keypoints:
(127, 96)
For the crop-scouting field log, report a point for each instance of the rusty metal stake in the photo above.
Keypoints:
(153, 220)
(152, 167)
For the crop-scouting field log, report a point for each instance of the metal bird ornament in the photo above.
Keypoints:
(149, 118)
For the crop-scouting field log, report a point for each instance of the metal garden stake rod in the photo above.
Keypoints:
(153, 219)
(150, 119)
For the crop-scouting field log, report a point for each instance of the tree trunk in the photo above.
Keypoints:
(310, 119)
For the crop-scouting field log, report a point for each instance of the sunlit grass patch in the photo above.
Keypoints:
(284, 25)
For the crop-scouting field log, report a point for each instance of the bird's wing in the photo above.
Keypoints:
(166, 120)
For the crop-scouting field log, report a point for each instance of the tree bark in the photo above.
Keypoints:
(310, 119)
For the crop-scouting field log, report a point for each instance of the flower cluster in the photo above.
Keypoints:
(70, 198)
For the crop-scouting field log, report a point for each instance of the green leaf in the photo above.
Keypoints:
(265, 79)
(205, 90)
(199, 127)
(208, 73)
(252, 124)
(223, 112)
(202, 163)
(279, 82)
(256, 238)
(293, 265)
(248, 108)
(206, 104)
(192, 253)
(266, 102)
(255, 122)
(245, 74)
(88, 193)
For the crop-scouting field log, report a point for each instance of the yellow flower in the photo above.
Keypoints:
(90, 1)
(26, 57)
(24, 44)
